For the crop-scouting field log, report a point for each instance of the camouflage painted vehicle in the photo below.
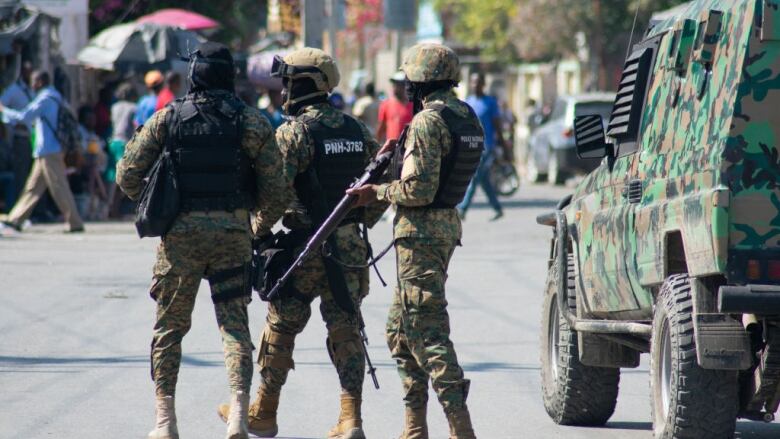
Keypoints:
(672, 245)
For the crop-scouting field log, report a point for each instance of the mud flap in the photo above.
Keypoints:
(721, 342)
(599, 352)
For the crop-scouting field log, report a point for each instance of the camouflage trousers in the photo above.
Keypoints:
(182, 261)
(288, 316)
(418, 327)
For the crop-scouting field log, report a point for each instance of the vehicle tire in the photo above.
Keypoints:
(573, 394)
(504, 178)
(532, 172)
(687, 401)
(555, 175)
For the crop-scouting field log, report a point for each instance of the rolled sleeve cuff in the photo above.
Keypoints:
(383, 192)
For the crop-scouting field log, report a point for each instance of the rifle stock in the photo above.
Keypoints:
(372, 173)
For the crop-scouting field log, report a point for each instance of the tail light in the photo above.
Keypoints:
(773, 270)
(568, 132)
(753, 271)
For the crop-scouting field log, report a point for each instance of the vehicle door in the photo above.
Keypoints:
(606, 229)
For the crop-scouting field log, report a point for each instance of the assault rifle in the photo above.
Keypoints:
(372, 173)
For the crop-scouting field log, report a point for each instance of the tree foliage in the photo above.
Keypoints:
(548, 30)
(485, 24)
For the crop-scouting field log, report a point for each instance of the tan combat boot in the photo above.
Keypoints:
(460, 424)
(261, 416)
(350, 424)
(237, 427)
(165, 427)
(416, 424)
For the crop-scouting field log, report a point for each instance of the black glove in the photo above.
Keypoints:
(259, 245)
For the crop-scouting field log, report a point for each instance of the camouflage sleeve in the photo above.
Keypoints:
(420, 173)
(274, 189)
(140, 154)
(374, 211)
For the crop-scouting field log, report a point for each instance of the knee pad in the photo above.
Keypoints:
(343, 343)
(276, 350)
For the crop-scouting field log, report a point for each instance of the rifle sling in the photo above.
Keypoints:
(333, 271)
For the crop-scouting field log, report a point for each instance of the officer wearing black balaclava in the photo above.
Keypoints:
(227, 166)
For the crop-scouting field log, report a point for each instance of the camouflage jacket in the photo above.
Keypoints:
(258, 142)
(427, 141)
(297, 147)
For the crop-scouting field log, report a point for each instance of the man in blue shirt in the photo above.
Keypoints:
(48, 171)
(146, 106)
(486, 108)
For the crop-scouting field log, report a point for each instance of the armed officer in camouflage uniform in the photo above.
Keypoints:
(442, 151)
(324, 151)
(228, 165)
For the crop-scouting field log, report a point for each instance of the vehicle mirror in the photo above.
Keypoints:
(589, 137)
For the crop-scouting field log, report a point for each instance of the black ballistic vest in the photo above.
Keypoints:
(214, 172)
(459, 166)
(339, 158)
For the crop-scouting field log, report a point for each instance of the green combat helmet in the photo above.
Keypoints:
(427, 62)
(311, 63)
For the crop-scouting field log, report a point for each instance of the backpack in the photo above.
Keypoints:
(66, 132)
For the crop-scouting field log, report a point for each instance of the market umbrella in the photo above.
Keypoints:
(180, 18)
(137, 46)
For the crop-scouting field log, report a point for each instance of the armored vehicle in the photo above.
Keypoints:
(672, 245)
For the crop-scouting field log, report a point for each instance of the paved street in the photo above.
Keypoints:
(76, 318)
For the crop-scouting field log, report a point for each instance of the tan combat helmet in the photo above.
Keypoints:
(428, 62)
(311, 63)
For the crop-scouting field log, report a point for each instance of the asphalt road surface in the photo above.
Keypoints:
(76, 318)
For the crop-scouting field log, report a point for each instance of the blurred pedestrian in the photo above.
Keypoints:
(366, 107)
(486, 108)
(102, 112)
(122, 114)
(170, 91)
(94, 195)
(441, 153)
(336, 99)
(16, 97)
(7, 185)
(394, 112)
(228, 165)
(273, 108)
(48, 171)
(146, 106)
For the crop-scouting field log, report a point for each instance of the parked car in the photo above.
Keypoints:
(551, 153)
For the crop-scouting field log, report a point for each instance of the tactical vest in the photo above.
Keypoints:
(214, 173)
(339, 157)
(460, 164)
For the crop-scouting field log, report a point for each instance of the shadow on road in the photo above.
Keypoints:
(745, 429)
(532, 203)
(630, 426)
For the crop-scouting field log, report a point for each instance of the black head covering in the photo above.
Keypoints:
(211, 68)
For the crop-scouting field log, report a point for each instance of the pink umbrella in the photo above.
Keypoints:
(179, 18)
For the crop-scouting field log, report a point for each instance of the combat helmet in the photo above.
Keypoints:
(428, 62)
(310, 63)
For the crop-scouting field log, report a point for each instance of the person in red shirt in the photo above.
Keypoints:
(169, 92)
(394, 112)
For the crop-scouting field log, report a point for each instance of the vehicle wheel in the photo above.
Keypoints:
(687, 401)
(532, 172)
(555, 175)
(504, 178)
(573, 394)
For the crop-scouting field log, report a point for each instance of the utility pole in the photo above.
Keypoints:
(332, 26)
(312, 23)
